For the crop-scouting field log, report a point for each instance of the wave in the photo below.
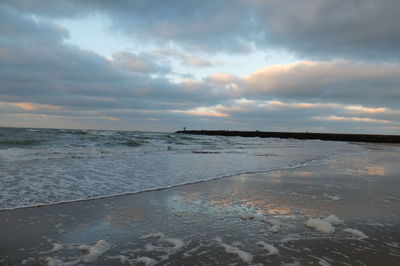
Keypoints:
(309, 163)
(75, 132)
(24, 142)
(20, 154)
(206, 152)
(108, 163)
(133, 143)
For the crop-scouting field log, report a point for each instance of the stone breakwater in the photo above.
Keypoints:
(300, 135)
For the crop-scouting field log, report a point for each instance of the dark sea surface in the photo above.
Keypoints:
(47, 166)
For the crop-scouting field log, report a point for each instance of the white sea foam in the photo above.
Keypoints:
(320, 225)
(123, 259)
(155, 235)
(243, 255)
(275, 228)
(323, 262)
(95, 251)
(324, 225)
(295, 263)
(270, 248)
(91, 253)
(147, 261)
(333, 220)
(177, 243)
(356, 232)
(275, 224)
(59, 262)
(57, 247)
(332, 197)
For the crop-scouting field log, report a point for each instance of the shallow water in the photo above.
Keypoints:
(45, 166)
(226, 221)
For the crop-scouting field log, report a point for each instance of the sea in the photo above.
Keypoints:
(48, 166)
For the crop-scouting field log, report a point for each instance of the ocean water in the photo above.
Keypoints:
(47, 166)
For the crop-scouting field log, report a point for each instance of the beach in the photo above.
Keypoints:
(185, 133)
(342, 212)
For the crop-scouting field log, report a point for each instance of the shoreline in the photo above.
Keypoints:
(158, 188)
(369, 138)
(225, 221)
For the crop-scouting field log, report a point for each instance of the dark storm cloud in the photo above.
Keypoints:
(361, 29)
(366, 29)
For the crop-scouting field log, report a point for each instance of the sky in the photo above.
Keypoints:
(161, 65)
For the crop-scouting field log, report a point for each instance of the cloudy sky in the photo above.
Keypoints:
(160, 65)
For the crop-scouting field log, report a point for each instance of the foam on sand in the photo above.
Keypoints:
(159, 244)
(270, 248)
(324, 225)
(243, 255)
(149, 247)
(320, 226)
(123, 259)
(356, 232)
(172, 246)
(333, 197)
(155, 235)
(93, 252)
(177, 243)
(323, 262)
(57, 247)
(59, 262)
(295, 263)
(275, 225)
(333, 220)
(147, 261)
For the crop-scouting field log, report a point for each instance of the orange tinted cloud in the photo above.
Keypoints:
(353, 119)
(221, 78)
(204, 111)
(362, 109)
(34, 106)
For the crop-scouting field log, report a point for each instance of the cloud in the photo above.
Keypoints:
(321, 29)
(45, 78)
(184, 58)
(48, 82)
(138, 63)
(198, 25)
(342, 81)
(318, 29)
(212, 111)
(353, 119)
(298, 116)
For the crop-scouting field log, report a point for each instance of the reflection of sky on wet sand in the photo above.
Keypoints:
(276, 175)
(363, 167)
(301, 192)
(376, 170)
(307, 190)
(234, 195)
(198, 213)
(130, 216)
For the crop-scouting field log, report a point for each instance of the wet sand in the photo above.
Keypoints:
(222, 222)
